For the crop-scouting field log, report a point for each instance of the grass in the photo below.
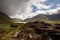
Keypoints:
(53, 22)
(6, 31)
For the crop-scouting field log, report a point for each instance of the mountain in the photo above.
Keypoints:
(40, 17)
(55, 17)
(4, 18)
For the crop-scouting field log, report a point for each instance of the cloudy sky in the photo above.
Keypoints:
(23, 9)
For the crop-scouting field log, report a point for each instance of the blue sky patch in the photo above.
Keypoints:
(49, 2)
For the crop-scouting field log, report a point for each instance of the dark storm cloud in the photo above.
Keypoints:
(10, 7)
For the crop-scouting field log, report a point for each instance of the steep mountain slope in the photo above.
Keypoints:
(4, 18)
(38, 18)
(54, 17)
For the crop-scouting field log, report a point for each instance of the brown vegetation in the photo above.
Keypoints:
(37, 31)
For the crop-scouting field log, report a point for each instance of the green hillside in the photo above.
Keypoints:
(4, 18)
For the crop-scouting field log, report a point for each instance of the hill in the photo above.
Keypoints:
(4, 18)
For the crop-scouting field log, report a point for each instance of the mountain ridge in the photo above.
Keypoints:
(39, 17)
(4, 18)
